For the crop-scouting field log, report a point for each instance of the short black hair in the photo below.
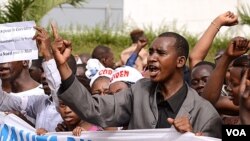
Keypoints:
(136, 34)
(181, 44)
(242, 61)
(205, 63)
(100, 52)
(37, 62)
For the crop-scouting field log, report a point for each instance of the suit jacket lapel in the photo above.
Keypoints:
(187, 105)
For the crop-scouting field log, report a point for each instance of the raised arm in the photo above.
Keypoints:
(142, 42)
(61, 51)
(104, 111)
(236, 47)
(51, 72)
(201, 48)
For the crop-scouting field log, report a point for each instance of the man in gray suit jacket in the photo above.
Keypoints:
(159, 102)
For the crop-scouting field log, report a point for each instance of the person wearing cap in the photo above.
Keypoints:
(100, 82)
(99, 77)
(122, 78)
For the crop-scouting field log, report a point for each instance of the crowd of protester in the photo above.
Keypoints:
(145, 89)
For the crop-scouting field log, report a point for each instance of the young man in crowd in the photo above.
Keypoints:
(159, 102)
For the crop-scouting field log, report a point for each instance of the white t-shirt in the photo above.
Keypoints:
(35, 91)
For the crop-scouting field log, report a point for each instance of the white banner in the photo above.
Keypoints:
(15, 129)
(16, 41)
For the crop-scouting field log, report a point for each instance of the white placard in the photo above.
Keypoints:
(16, 41)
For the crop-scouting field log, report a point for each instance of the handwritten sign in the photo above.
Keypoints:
(16, 42)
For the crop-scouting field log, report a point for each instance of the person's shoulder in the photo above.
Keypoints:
(143, 83)
(144, 87)
(144, 51)
(37, 98)
(200, 102)
(126, 53)
(144, 80)
(129, 49)
(192, 94)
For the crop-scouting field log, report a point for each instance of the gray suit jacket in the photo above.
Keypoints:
(137, 108)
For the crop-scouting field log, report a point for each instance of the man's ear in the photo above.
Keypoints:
(181, 61)
(27, 63)
(103, 61)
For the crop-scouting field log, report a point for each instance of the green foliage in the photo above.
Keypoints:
(89, 39)
(25, 10)
(40, 7)
(13, 12)
(244, 14)
(86, 40)
(1, 15)
(221, 42)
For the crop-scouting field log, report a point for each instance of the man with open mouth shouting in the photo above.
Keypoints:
(162, 101)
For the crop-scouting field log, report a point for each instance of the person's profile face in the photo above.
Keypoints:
(234, 80)
(162, 60)
(45, 84)
(109, 61)
(199, 77)
(35, 73)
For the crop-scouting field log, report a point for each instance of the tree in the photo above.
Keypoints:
(244, 13)
(24, 10)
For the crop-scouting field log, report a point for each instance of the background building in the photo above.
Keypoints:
(192, 15)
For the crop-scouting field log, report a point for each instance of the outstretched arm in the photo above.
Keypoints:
(200, 50)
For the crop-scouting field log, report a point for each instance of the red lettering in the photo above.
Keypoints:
(100, 72)
(117, 75)
(110, 72)
(126, 73)
(103, 72)
(121, 74)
